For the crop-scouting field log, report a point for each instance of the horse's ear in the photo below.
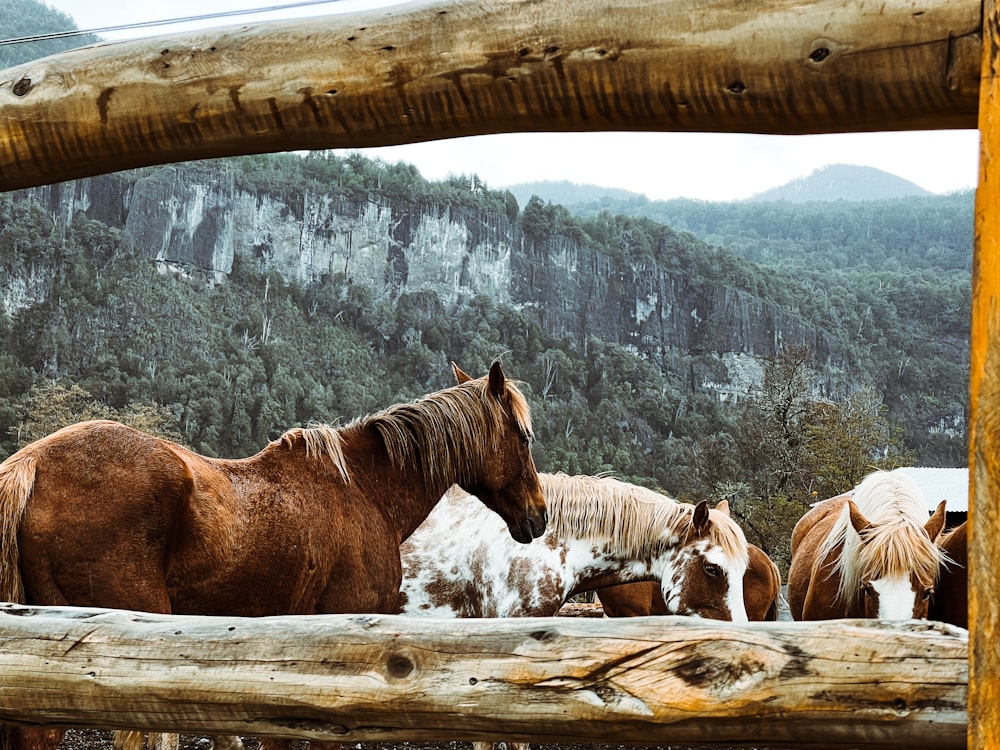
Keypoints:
(858, 521)
(936, 522)
(460, 376)
(498, 383)
(699, 520)
(723, 507)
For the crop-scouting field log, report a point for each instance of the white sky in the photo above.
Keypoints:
(707, 166)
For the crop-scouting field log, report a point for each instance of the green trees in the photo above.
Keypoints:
(791, 447)
(227, 367)
(49, 406)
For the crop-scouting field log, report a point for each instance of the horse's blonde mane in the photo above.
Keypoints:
(633, 517)
(446, 432)
(319, 440)
(895, 544)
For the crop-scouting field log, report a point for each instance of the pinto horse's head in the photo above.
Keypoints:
(508, 483)
(708, 568)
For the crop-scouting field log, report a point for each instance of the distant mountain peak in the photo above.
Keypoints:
(566, 193)
(848, 182)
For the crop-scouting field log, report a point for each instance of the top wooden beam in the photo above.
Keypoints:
(433, 70)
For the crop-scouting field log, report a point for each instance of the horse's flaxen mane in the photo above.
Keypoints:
(633, 517)
(319, 440)
(446, 431)
(449, 432)
(895, 544)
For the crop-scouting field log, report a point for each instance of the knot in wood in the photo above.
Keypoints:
(399, 666)
(22, 87)
(819, 54)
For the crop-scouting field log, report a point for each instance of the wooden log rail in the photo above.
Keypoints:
(433, 70)
(845, 683)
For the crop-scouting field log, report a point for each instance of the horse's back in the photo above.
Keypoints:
(632, 600)
(950, 602)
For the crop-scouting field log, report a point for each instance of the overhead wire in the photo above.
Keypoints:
(167, 22)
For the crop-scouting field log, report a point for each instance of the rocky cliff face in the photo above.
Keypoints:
(200, 221)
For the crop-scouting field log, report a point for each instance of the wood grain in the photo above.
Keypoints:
(435, 70)
(381, 678)
(984, 412)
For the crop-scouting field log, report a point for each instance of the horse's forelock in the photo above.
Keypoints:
(604, 509)
(521, 410)
(893, 545)
(895, 549)
(726, 534)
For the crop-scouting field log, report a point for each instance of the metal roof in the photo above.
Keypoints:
(942, 484)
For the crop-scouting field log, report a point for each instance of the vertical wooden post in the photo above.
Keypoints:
(984, 410)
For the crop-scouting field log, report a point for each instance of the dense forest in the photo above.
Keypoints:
(90, 326)
(227, 367)
(932, 233)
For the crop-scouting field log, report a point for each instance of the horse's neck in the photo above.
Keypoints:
(401, 491)
(591, 565)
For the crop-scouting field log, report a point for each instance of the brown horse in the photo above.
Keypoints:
(761, 590)
(99, 514)
(870, 554)
(950, 602)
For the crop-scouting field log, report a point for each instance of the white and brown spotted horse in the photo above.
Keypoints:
(601, 532)
(461, 563)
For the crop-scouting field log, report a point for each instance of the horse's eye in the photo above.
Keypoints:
(525, 439)
(713, 570)
(867, 586)
(927, 593)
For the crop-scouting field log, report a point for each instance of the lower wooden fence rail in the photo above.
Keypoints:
(386, 678)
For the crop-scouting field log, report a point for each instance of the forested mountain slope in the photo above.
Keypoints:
(764, 354)
(366, 241)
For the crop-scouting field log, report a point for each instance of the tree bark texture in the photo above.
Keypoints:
(434, 70)
(381, 678)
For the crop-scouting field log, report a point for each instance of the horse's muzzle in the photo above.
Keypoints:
(531, 527)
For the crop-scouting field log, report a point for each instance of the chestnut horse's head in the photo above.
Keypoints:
(507, 481)
(884, 560)
(897, 564)
(710, 564)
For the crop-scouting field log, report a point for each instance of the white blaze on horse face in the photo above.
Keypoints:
(688, 589)
(734, 570)
(895, 598)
